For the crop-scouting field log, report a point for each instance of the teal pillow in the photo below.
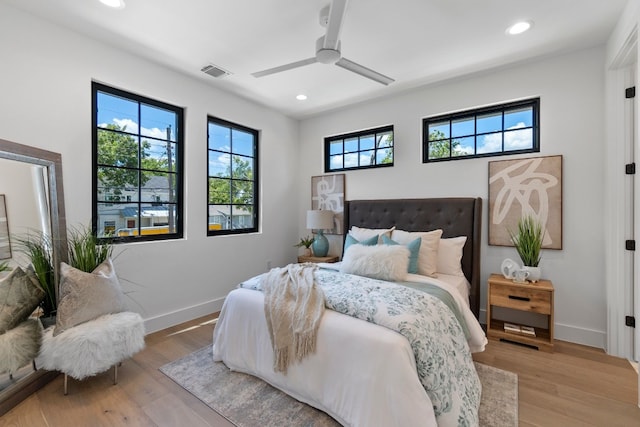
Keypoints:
(414, 249)
(350, 240)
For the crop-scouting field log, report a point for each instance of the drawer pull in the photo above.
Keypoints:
(519, 298)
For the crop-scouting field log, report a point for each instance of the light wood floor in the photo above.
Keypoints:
(575, 386)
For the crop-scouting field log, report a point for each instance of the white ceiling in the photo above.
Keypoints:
(415, 42)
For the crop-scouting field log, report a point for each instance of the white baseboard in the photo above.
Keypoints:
(597, 339)
(167, 320)
(573, 334)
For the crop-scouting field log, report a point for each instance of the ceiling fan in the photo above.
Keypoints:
(328, 47)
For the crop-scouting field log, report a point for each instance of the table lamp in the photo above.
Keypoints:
(320, 221)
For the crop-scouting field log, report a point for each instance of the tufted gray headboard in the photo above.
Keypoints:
(456, 216)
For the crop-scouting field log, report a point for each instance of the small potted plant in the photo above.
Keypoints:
(528, 243)
(305, 242)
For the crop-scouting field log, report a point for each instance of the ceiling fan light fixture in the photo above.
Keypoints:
(116, 4)
(519, 28)
(301, 97)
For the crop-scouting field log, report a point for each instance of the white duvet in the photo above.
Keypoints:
(361, 374)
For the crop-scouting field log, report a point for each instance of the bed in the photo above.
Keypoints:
(363, 374)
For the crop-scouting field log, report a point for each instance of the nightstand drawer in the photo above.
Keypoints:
(521, 298)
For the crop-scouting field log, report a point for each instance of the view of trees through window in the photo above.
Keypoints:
(137, 166)
(359, 150)
(503, 129)
(232, 178)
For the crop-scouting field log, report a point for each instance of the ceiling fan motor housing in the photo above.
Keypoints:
(327, 56)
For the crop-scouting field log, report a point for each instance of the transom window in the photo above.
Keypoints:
(137, 166)
(232, 178)
(372, 148)
(492, 131)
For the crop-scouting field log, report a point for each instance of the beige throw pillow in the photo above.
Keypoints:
(20, 294)
(87, 296)
(450, 256)
(428, 256)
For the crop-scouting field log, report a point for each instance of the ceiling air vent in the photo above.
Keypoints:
(214, 70)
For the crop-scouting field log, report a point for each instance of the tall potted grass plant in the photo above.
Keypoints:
(86, 251)
(528, 242)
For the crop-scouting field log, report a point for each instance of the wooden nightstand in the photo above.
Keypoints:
(303, 258)
(530, 297)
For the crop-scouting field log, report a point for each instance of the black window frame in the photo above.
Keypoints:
(367, 132)
(534, 103)
(179, 166)
(256, 181)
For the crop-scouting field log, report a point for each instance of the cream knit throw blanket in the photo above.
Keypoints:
(293, 306)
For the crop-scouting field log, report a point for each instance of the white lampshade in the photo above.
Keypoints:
(319, 220)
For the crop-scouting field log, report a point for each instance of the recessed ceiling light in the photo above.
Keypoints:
(519, 27)
(301, 97)
(116, 4)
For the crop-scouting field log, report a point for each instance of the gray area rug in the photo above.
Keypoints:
(247, 401)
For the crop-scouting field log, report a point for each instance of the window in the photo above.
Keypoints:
(493, 131)
(371, 148)
(137, 166)
(232, 178)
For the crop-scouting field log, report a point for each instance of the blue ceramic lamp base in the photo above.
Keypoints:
(320, 245)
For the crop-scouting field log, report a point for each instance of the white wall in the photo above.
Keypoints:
(45, 101)
(571, 91)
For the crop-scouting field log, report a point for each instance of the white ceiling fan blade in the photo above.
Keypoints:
(336, 15)
(364, 71)
(285, 67)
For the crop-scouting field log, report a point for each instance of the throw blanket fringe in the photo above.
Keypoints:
(293, 307)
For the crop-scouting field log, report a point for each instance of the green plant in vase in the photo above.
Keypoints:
(305, 242)
(4, 266)
(528, 242)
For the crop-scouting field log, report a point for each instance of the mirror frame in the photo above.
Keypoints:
(30, 383)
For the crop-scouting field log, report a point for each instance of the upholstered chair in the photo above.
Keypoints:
(93, 331)
(92, 347)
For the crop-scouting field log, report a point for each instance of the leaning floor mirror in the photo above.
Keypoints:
(31, 201)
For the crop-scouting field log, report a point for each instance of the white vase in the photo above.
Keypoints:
(534, 273)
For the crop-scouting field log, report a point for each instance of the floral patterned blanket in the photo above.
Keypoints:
(443, 360)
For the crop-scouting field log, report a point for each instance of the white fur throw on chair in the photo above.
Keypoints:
(20, 345)
(94, 346)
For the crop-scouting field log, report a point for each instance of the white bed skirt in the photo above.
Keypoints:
(361, 374)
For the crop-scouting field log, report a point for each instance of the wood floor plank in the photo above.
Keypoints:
(573, 386)
(171, 411)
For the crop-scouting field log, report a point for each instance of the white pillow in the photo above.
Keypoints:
(450, 256)
(428, 256)
(384, 262)
(361, 234)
